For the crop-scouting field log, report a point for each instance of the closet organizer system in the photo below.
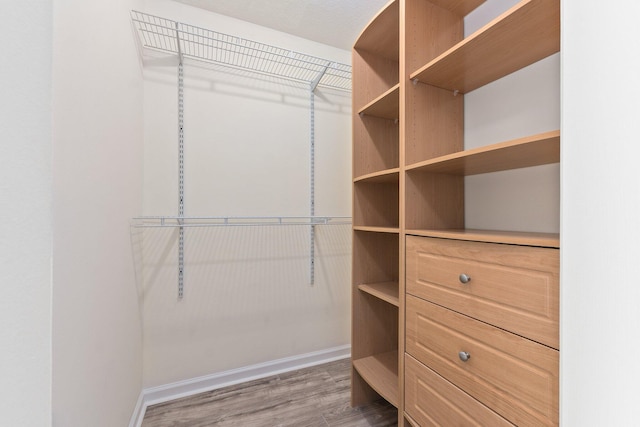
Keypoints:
(203, 47)
(452, 326)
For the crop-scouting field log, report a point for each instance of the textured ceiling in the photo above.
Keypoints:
(332, 22)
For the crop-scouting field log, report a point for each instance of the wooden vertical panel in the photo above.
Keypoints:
(375, 257)
(434, 201)
(425, 31)
(375, 143)
(430, 30)
(376, 204)
(435, 123)
(372, 76)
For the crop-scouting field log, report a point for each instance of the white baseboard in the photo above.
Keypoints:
(154, 395)
(138, 412)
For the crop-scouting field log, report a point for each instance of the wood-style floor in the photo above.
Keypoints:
(312, 397)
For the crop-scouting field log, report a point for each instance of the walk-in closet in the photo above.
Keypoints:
(319, 213)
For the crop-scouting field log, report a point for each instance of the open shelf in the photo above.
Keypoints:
(536, 150)
(526, 33)
(382, 35)
(386, 291)
(375, 204)
(549, 240)
(380, 371)
(386, 106)
(390, 230)
(385, 176)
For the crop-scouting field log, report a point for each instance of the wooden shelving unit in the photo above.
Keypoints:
(376, 220)
(411, 69)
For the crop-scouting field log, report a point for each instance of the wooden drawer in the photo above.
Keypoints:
(515, 377)
(433, 401)
(513, 287)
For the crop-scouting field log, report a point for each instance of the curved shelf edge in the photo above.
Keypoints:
(380, 371)
(381, 36)
(388, 175)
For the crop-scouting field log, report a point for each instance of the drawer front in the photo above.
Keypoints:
(513, 287)
(433, 401)
(515, 377)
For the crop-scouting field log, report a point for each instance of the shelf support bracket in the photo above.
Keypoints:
(314, 83)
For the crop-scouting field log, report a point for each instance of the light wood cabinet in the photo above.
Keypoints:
(412, 66)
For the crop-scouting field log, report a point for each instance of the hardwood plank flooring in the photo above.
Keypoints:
(312, 397)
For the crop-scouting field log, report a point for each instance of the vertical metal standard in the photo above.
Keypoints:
(180, 168)
(312, 172)
(312, 184)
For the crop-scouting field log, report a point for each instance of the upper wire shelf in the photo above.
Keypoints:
(165, 35)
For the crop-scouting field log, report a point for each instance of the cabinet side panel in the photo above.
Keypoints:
(375, 257)
(435, 122)
(375, 145)
(372, 76)
(434, 201)
(375, 204)
(430, 31)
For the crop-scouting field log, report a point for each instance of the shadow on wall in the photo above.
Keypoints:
(222, 80)
(246, 290)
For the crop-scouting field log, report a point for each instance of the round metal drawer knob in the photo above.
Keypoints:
(464, 278)
(464, 356)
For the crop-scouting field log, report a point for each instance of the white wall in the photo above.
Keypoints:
(25, 214)
(600, 293)
(247, 294)
(97, 188)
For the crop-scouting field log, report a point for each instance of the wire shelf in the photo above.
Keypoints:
(188, 41)
(216, 221)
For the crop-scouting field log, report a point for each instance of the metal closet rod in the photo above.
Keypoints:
(217, 221)
(165, 35)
